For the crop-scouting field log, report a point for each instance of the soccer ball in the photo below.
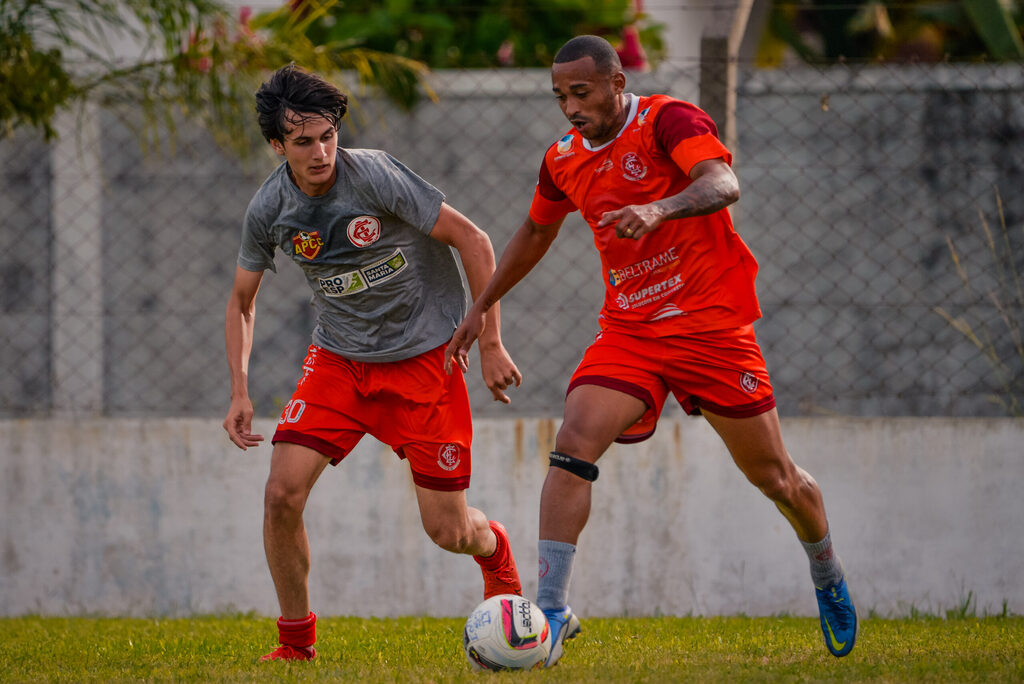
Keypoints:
(506, 632)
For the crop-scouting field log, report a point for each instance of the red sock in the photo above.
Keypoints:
(297, 633)
(497, 559)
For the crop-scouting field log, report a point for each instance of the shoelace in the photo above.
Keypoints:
(843, 617)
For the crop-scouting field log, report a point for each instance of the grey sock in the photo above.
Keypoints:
(826, 568)
(554, 573)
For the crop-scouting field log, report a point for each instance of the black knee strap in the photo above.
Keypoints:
(578, 467)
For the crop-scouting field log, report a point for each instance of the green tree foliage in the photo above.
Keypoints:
(825, 31)
(187, 56)
(482, 33)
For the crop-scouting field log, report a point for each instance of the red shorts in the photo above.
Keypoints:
(722, 371)
(413, 406)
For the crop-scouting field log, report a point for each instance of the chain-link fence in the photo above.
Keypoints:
(856, 181)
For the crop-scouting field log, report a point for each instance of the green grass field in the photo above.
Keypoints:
(226, 648)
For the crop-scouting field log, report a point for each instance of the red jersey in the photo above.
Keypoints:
(689, 275)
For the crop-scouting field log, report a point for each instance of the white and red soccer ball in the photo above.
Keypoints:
(506, 632)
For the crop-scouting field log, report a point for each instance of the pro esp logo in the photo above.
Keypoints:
(344, 284)
(307, 245)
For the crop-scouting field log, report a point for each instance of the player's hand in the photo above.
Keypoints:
(499, 371)
(238, 424)
(462, 339)
(634, 221)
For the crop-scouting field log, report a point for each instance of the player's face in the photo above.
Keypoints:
(591, 101)
(310, 146)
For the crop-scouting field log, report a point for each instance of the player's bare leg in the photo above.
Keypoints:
(293, 471)
(594, 417)
(757, 448)
(454, 526)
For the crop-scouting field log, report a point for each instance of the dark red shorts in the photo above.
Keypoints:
(413, 406)
(722, 371)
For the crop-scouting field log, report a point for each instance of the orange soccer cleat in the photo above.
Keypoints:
(286, 652)
(499, 569)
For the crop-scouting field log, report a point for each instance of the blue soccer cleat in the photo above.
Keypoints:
(838, 618)
(564, 625)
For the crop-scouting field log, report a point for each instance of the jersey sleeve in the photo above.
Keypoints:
(688, 135)
(256, 252)
(549, 204)
(404, 194)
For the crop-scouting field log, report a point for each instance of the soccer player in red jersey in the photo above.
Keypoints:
(652, 179)
(377, 246)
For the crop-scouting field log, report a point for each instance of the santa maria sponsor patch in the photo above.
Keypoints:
(344, 284)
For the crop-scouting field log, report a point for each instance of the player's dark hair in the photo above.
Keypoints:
(302, 92)
(606, 60)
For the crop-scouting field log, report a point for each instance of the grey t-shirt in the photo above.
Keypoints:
(382, 288)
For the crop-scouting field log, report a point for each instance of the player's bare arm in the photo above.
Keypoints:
(477, 256)
(239, 323)
(523, 252)
(714, 187)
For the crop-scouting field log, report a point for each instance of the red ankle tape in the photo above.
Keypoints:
(496, 559)
(299, 633)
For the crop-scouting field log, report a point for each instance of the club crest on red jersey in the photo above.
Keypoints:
(449, 456)
(564, 144)
(363, 230)
(633, 167)
(748, 382)
(307, 245)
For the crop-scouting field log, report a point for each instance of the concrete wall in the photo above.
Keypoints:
(163, 517)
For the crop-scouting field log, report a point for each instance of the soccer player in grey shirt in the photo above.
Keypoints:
(375, 242)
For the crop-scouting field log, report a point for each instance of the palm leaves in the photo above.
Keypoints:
(171, 57)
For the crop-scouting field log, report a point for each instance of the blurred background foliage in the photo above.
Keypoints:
(195, 57)
(483, 33)
(827, 31)
(198, 58)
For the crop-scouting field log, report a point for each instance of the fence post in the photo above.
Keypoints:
(719, 51)
(77, 275)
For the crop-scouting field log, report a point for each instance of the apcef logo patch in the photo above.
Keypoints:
(307, 245)
(448, 456)
(363, 230)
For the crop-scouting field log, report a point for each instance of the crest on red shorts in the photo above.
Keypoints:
(448, 456)
(748, 381)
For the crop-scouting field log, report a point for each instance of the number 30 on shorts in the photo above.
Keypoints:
(292, 412)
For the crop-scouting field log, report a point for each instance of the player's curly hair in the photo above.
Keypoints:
(307, 95)
(606, 60)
